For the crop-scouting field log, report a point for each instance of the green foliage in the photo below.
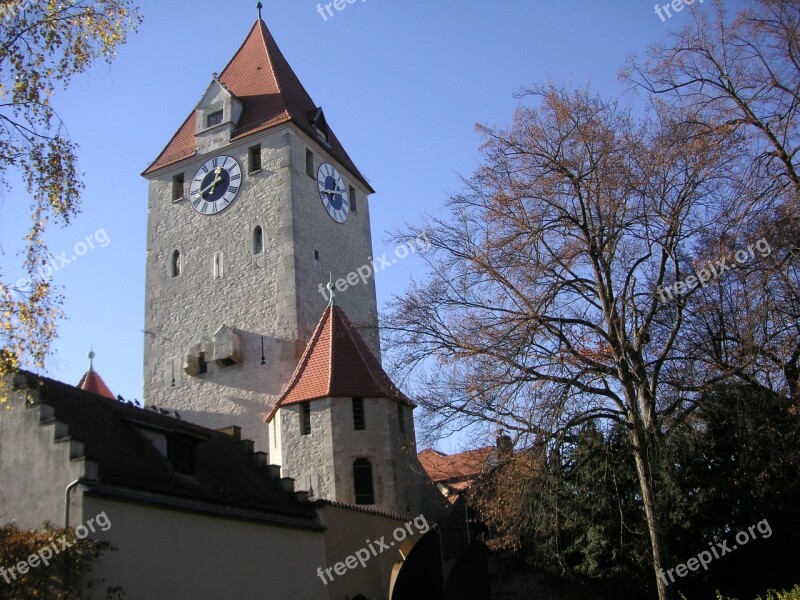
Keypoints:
(43, 45)
(65, 575)
(733, 464)
(793, 594)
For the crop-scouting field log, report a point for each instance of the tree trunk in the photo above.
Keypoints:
(642, 445)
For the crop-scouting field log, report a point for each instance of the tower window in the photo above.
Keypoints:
(305, 419)
(359, 422)
(310, 163)
(316, 254)
(202, 364)
(175, 264)
(401, 419)
(219, 265)
(254, 153)
(258, 240)
(353, 199)
(214, 118)
(362, 481)
(177, 186)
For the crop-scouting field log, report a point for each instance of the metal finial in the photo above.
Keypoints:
(259, 6)
(330, 291)
(91, 360)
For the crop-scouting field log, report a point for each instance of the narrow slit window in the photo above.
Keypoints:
(305, 419)
(177, 186)
(401, 419)
(175, 264)
(255, 158)
(219, 265)
(359, 422)
(310, 163)
(258, 240)
(352, 196)
(362, 481)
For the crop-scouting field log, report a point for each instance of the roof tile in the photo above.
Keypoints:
(261, 78)
(337, 363)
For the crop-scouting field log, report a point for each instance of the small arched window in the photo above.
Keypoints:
(258, 240)
(175, 264)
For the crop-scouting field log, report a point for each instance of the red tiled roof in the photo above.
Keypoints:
(463, 466)
(337, 364)
(261, 78)
(92, 382)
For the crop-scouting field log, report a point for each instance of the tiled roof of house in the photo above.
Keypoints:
(338, 364)
(271, 94)
(461, 467)
(110, 431)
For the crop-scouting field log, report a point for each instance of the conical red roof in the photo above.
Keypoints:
(261, 78)
(338, 364)
(92, 382)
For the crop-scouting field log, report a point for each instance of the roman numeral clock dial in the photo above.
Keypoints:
(215, 185)
(333, 192)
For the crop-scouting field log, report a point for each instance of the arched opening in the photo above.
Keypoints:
(258, 240)
(175, 264)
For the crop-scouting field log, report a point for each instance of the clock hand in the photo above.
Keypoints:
(210, 186)
(213, 184)
(217, 179)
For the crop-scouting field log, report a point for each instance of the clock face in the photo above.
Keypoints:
(333, 192)
(215, 185)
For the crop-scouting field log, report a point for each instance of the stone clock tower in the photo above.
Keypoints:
(252, 204)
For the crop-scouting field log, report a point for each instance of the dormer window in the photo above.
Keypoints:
(214, 118)
(320, 125)
(178, 447)
(180, 453)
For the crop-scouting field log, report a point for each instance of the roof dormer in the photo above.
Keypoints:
(217, 115)
(320, 126)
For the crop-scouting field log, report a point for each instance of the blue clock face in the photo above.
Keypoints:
(215, 185)
(333, 192)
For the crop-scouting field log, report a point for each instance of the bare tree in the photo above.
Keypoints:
(742, 74)
(545, 305)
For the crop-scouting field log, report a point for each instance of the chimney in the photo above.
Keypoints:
(505, 447)
(234, 431)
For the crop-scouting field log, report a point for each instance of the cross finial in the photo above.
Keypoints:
(330, 291)
(259, 6)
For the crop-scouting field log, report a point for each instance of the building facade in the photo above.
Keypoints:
(253, 204)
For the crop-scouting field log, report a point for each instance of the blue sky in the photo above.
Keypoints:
(402, 84)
